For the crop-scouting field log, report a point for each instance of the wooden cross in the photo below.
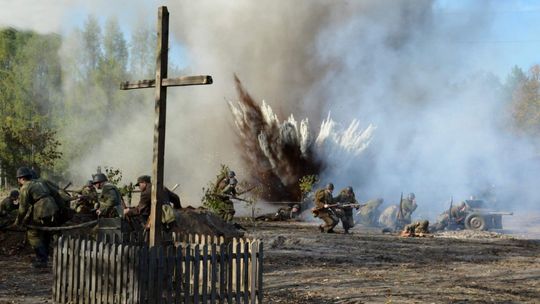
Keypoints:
(161, 82)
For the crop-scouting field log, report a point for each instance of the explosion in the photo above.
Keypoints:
(278, 153)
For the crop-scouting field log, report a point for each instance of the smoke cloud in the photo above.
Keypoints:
(406, 67)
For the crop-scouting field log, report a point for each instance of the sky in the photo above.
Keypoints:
(514, 39)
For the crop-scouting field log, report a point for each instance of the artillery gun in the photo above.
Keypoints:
(481, 217)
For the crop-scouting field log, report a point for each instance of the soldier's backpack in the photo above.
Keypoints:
(61, 199)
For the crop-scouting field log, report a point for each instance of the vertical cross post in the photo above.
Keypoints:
(159, 125)
(161, 82)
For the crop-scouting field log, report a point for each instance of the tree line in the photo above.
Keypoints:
(58, 95)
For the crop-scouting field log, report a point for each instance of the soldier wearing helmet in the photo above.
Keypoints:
(227, 211)
(38, 208)
(10, 203)
(324, 208)
(453, 219)
(408, 205)
(110, 199)
(346, 197)
(87, 199)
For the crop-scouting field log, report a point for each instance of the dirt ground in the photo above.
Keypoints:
(303, 265)
(306, 266)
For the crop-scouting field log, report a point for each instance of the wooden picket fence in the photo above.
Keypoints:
(190, 269)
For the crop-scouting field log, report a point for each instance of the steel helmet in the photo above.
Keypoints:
(98, 178)
(24, 172)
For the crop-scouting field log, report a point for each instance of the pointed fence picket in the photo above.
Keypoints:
(189, 268)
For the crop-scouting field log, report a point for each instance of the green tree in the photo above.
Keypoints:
(29, 99)
(526, 101)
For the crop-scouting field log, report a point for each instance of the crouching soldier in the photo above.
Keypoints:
(141, 213)
(36, 208)
(453, 219)
(87, 199)
(110, 199)
(8, 208)
(323, 208)
(418, 228)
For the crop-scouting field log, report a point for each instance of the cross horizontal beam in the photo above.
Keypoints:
(167, 82)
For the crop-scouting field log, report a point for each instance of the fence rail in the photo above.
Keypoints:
(191, 269)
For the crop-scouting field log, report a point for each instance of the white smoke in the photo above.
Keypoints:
(408, 67)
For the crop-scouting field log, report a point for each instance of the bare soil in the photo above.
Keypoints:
(306, 266)
(303, 265)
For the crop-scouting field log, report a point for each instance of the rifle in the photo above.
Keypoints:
(67, 186)
(316, 210)
(400, 221)
(246, 191)
(400, 211)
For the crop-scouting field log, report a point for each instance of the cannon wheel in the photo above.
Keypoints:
(475, 221)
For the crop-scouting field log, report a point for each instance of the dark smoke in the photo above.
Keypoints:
(278, 154)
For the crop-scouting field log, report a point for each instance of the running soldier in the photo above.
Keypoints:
(323, 209)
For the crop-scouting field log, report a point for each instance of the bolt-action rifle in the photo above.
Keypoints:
(400, 217)
(316, 210)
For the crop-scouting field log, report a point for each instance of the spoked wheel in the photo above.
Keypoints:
(475, 222)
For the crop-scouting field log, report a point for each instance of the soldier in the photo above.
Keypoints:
(283, 214)
(8, 208)
(396, 217)
(228, 191)
(143, 208)
(110, 199)
(369, 212)
(418, 228)
(87, 198)
(346, 197)
(38, 208)
(322, 210)
(170, 201)
(452, 219)
(9, 203)
(408, 206)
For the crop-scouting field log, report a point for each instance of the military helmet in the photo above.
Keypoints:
(14, 194)
(98, 178)
(143, 179)
(24, 172)
(349, 189)
(329, 186)
(231, 174)
(411, 196)
(35, 173)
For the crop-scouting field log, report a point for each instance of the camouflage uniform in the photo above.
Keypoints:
(346, 196)
(228, 190)
(88, 199)
(110, 201)
(322, 197)
(8, 209)
(38, 208)
(369, 212)
(7, 206)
